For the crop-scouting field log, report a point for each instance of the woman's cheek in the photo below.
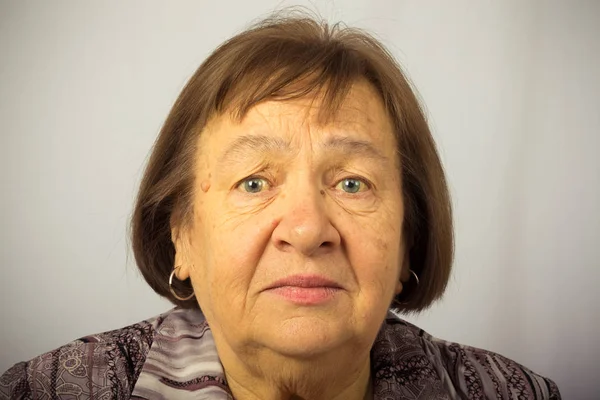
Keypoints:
(238, 246)
(377, 257)
(243, 204)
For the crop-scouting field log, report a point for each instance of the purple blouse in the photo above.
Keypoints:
(173, 356)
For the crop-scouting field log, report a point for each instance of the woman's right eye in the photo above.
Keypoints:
(253, 185)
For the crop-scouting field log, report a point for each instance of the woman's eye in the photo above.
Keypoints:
(352, 185)
(253, 185)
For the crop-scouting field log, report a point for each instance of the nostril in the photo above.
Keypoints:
(284, 246)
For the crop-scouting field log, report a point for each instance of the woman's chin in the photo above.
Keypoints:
(307, 337)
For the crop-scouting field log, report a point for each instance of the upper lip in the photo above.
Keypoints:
(305, 281)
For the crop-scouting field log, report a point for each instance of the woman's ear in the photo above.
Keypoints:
(399, 288)
(181, 261)
(404, 271)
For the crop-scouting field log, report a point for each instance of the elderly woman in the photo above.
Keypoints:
(293, 204)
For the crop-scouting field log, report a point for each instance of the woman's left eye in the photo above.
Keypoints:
(352, 185)
(253, 185)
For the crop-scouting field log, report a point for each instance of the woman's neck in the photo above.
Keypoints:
(273, 377)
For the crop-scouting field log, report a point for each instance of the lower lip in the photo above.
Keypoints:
(306, 295)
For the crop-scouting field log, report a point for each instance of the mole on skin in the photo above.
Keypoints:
(205, 185)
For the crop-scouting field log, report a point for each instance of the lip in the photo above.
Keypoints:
(305, 281)
(305, 290)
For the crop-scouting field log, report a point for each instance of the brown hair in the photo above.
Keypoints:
(285, 57)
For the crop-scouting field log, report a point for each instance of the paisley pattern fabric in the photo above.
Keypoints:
(173, 356)
(104, 366)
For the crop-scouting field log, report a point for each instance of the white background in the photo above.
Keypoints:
(512, 90)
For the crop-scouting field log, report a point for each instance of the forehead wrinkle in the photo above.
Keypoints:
(349, 146)
(245, 144)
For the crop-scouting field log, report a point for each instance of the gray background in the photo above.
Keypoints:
(512, 90)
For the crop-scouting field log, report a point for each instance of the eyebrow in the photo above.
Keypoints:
(255, 143)
(353, 146)
(269, 144)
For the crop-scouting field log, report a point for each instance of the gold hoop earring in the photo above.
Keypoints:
(173, 291)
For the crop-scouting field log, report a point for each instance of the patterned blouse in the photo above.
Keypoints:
(173, 356)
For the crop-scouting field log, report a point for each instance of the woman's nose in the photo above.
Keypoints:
(305, 225)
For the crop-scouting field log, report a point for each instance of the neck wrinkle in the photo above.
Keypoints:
(339, 384)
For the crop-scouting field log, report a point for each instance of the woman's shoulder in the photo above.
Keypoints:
(457, 370)
(104, 365)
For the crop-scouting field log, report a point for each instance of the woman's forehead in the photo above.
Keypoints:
(360, 116)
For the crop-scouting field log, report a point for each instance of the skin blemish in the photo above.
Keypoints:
(205, 185)
(322, 192)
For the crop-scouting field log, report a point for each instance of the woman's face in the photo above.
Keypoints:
(296, 244)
